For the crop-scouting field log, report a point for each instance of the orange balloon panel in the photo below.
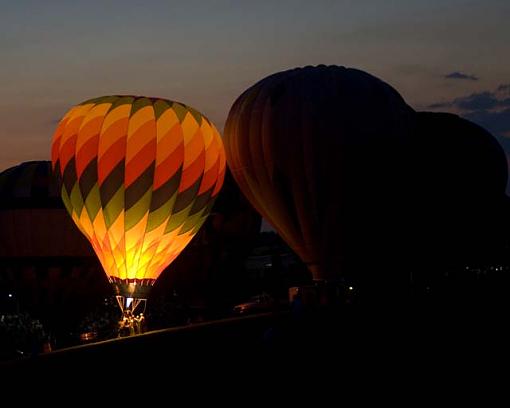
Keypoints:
(139, 177)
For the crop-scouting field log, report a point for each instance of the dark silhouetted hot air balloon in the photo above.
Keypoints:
(208, 274)
(460, 157)
(139, 177)
(316, 150)
(460, 175)
(46, 265)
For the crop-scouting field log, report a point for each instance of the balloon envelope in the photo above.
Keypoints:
(310, 148)
(45, 262)
(460, 175)
(458, 156)
(139, 177)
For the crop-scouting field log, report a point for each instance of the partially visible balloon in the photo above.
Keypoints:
(460, 179)
(46, 264)
(459, 156)
(207, 272)
(314, 150)
(139, 177)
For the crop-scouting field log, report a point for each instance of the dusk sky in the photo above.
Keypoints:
(450, 55)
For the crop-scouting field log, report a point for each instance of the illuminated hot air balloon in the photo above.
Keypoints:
(139, 177)
(314, 149)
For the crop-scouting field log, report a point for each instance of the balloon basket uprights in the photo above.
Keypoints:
(320, 293)
(132, 320)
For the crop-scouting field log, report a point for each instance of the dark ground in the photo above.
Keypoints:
(411, 348)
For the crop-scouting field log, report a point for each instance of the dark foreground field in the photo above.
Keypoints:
(269, 348)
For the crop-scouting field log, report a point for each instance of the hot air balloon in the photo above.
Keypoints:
(316, 150)
(46, 264)
(208, 270)
(139, 177)
(460, 179)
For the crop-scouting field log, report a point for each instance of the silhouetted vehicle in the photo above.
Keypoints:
(259, 303)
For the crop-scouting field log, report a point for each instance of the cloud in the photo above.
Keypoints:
(497, 122)
(480, 101)
(477, 101)
(460, 75)
(489, 109)
(439, 105)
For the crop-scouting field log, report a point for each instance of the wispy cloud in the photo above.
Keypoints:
(461, 75)
(478, 101)
(490, 109)
(439, 105)
(486, 100)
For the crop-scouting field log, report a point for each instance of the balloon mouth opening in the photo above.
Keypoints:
(132, 288)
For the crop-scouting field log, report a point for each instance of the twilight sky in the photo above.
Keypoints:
(450, 55)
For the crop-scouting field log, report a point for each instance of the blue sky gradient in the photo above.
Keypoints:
(205, 53)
